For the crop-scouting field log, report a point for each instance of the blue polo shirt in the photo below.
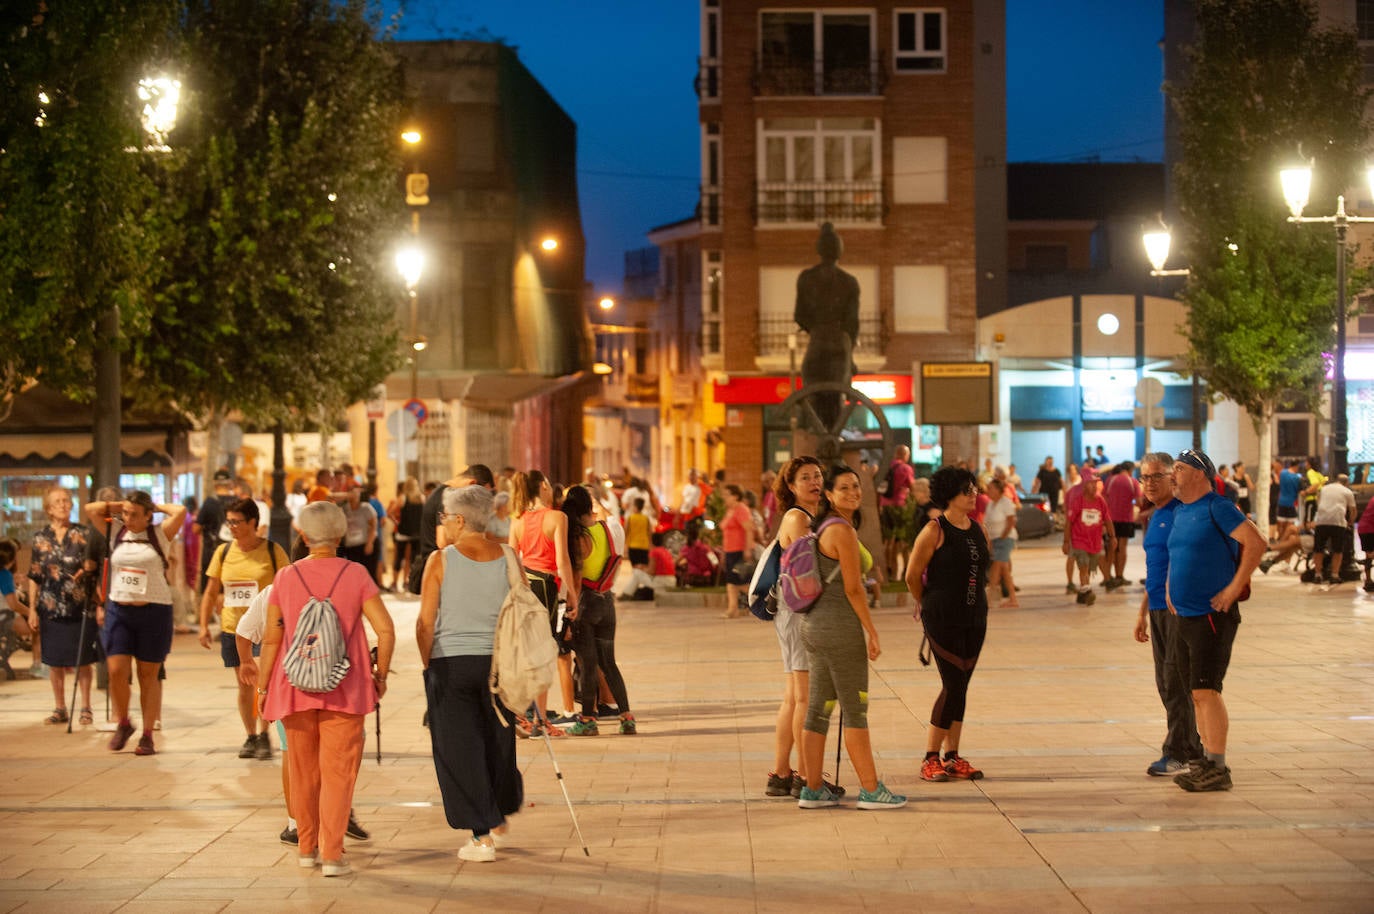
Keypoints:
(1202, 555)
(1156, 545)
(1290, 484)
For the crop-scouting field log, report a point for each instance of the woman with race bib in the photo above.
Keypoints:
(136, 621)
(237, 571)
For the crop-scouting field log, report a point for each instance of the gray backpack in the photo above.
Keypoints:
(317, 658)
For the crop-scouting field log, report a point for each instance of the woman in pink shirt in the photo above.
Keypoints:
(324, 729)
(737, 538)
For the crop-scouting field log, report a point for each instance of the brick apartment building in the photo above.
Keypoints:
(885, 119)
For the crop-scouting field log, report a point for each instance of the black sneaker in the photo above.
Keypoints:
(289, 837)
(779, 785)
(607, 711)
(356, 831)
(263, 751)
(250, 747)
(1209, 777)
(798, 782)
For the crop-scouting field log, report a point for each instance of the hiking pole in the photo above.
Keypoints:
(838, 743)
(548, 744)
(76, 680)
(378, 711)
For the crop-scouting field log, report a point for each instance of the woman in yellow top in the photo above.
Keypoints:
(238, 570)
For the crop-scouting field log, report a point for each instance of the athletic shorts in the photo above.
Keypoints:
(1084, 558)
(731, 560)
(229, 650)
(1002, 548)
(788, 626)
(638, 556)
(1125, 529)
(144, 632)
(1367, 542)
(1286, 512)
(1328, 535)
(1205, 643)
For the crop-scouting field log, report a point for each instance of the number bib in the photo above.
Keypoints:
(1091, 517)
(240, 593)
(129, 585)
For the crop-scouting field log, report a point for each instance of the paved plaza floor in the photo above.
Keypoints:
(1062, 716)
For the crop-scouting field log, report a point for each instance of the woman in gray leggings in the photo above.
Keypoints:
(833, 633)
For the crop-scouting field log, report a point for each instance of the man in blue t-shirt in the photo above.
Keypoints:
(1158, 627)
(1213, 551)
(1290, 485)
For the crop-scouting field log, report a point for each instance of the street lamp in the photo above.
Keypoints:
(1297, 184)
(1157, 243)
(410, 263)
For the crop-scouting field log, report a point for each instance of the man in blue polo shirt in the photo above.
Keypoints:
(1213, 551)
(1157, 626)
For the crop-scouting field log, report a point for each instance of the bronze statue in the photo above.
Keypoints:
(828, 310)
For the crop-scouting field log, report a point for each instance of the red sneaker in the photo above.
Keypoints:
(958, 767)
(932, 769)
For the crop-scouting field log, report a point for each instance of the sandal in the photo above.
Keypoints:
(87, 717)
(58, 716)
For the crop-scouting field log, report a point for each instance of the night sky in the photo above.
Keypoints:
(1083, 80)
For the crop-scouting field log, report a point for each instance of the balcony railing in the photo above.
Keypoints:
(707, 83)
(784, 202)
(774, 330)
(790, 76)
(708, 207)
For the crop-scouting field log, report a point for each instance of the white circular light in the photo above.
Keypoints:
(1107, 324)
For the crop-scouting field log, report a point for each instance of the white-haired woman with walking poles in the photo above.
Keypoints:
(325, 729)
(472, 738)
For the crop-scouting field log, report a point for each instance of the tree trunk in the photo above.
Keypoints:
(1259, 492)
(214, 424)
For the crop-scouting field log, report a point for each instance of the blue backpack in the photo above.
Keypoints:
(763, 597)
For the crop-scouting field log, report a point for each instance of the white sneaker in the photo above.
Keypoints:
(336, 868)
(477, 852)
(309, 861)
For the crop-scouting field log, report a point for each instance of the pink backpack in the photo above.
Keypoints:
(800, 583)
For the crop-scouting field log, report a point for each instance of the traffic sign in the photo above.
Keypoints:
(417, 409)
(1149, 392)
(401, 424)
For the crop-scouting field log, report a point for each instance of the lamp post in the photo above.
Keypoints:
(1297, 185)
(1157, 244)
(160, 96)
(410, 263)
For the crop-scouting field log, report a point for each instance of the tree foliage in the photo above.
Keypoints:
(280, 301)
(79, 230)
(1265, 84)
(251, 262)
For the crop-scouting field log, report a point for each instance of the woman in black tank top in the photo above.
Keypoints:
(948, 577)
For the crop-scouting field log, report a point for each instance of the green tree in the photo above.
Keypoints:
(279, 300)
(78, 229)
(1264, 83)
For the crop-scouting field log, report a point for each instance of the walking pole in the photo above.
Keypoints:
(378, 711)
(76, 680)
(548, 744)
(838, 743)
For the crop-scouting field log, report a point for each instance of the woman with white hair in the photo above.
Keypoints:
(461, 594)
(325, 729)
(498, 526)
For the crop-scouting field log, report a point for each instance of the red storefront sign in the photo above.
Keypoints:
(883, 389)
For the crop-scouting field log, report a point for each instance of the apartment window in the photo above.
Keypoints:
(816, 53)
(919, 169)
(1364, 20)
(708, 73)
(712, 299)
(710, 174)
(919, 41)
(920, 299)
(816, 169)
(778, 304)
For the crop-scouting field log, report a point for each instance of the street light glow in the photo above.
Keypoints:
(606, 303)
(411, 136)
(549, 244)
(410, 263)
(1297, 185)
(160, 95)
(1157, 247)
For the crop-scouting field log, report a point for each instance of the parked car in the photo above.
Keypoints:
(1033, 519)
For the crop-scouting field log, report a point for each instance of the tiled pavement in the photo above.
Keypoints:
(1062, 717)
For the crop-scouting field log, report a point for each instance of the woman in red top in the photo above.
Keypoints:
(737, 537)
(539, 534)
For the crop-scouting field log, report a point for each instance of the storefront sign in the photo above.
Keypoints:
(883, 389)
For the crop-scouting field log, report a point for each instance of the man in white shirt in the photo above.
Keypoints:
(691, 493)
(1335, 512)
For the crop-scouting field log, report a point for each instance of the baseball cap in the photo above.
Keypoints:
(1088, 473)
(1198, 461)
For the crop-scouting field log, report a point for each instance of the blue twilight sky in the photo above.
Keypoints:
(1083, 80)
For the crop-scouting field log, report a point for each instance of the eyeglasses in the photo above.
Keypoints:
(235, 523)
(1153, 477)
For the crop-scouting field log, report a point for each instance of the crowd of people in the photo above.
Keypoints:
(105, 590)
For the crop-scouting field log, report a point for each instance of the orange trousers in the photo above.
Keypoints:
(326, 751)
